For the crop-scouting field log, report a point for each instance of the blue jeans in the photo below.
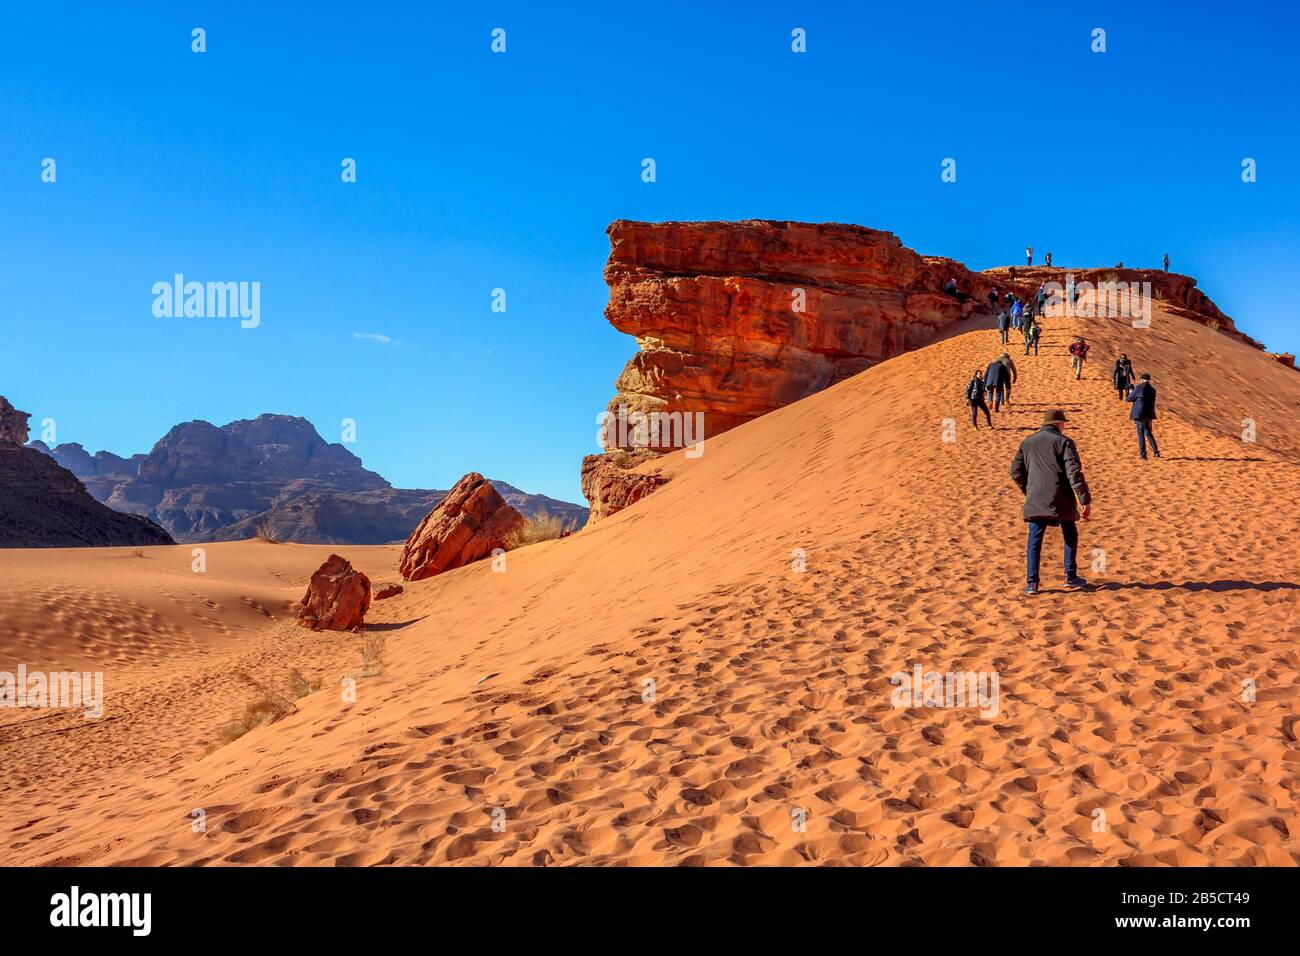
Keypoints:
(1145, 434)
(1034, 553)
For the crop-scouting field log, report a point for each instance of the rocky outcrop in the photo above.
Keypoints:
(1178, 292)
(467, 525)
(273, 472)
(43, 505)
(610, 484)
(337, 597)
(13, 424)
(736, 319)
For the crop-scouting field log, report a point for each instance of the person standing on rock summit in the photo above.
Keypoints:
(1029, 255)
(1166, 262)
(1143, 398)
(1048, 472)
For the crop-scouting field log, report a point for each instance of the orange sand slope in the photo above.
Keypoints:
(768, 736)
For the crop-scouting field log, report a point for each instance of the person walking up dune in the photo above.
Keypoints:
(1032, 331)
(1004, 324)
(975, 399)
(1121, 375)
(996, 379)
(1005, 359)
(1048, 472)
(1078, 355)
(1143, 397)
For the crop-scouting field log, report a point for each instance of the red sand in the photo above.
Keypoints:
(525, 690)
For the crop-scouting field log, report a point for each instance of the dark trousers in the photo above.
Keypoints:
(1145, 434)
(1033, 344)
(1002, 336)
(995, 396)
(1034, 552)
(975, 413)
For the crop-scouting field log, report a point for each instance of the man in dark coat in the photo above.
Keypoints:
(1121, 375)
(996, 380)
(1143, 397)
(1048, 471)
(1004, 324)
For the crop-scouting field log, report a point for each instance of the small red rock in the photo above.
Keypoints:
(337, 597)
(388, 592)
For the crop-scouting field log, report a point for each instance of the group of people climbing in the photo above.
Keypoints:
(1047, 468)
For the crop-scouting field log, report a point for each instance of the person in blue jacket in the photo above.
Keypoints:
(1143, 397)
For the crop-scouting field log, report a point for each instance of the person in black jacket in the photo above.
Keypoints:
(996, 380)
(1004, 324)
(1121, 375)
(975, 399)
(1048, 472)
(1143, 398)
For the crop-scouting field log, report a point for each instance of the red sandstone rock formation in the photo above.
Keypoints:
(467, 525)
(337, 597)
(610, 484)
(1177, 291)
(391, 591)
(735, 319)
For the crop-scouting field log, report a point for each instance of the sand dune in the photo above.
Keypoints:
(768, 735)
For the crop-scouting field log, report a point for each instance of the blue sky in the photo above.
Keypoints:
(478, 171)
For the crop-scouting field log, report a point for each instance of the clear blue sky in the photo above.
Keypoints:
(479, 171)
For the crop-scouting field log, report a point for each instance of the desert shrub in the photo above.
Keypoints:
(267, 707)
(372, 654)
(265, 532)
(542, 526)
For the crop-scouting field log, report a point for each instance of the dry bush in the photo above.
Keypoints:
(542, 526)
(372, 654)
(267, 707)
(265, 532)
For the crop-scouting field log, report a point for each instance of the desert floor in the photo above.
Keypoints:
(520, 698)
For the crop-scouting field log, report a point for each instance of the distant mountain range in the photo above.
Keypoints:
(273, 474)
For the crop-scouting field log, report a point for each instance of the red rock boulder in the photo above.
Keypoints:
(466, 526)
(611, 482)
(337, 597)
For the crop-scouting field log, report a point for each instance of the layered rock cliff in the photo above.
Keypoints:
(43, 505)
(272, 474)
(735, 319)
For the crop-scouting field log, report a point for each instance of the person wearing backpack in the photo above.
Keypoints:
(1032, 331)
(975, 399)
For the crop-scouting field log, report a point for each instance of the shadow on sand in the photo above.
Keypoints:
(392, 627)
(1198, 586)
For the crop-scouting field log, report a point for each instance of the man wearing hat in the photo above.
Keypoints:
(1049, 474)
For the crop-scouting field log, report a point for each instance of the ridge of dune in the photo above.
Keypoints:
(522, 696)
